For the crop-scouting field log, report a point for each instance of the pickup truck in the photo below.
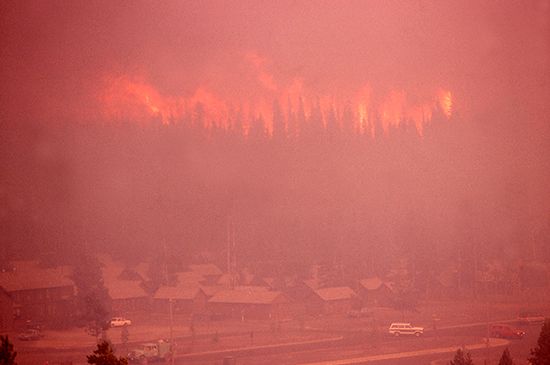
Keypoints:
(152, 351)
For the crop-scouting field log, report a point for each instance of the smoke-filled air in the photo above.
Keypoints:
(288, 182)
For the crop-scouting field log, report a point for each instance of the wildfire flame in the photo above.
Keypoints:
(135, 99)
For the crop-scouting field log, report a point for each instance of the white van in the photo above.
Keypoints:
(399, 328)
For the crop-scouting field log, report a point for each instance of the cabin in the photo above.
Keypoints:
(250, 304)
(127, 296)
(125, 287)
(40, 294)
(336, 300)
(374, 291)
(185, 300)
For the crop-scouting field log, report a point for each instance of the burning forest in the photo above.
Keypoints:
(245, 173)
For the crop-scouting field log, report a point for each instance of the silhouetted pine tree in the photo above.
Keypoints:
(257, 130)
(314, 125)
(506, 359)
(348, 121)
(332, 122)
(327, 275)
(292, 122)
(92, 297)
(104, 355)
(301, 117)
(7, 355)
(462, 358)
(541, 353)
(278, 122)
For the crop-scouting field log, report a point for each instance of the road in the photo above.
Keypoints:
(435, 348)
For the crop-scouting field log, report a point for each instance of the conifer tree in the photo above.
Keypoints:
(506, 359)
(278, 121)
(104, 355)
(462, 358)
(7, 355)
(92, 297)
(540, 355)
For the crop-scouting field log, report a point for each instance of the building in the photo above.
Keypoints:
(185, 300)
(6, 310)
(125, 287)
(127, 296)
(39, 294)
(250, 304)
(337, 299)
(374, 291)
(210, 272)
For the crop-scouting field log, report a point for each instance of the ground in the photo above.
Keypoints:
(63, 346)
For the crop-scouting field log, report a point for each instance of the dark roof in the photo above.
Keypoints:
(335, 293)
(125, 289)
(212, 289)
(248, 297)
(28, 275)
(177, 292)
(371, 283)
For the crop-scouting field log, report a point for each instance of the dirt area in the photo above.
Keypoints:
(206, 336)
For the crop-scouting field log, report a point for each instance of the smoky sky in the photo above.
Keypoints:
(491, 54)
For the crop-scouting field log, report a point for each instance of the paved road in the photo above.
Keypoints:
(436, 348)
(410, 354)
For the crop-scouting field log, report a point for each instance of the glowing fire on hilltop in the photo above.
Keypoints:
(130, 99)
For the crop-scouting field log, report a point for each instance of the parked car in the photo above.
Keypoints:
(30, 335)
(527, 318)
(150, 352)
(119, 322)
(33, 325)
(505, 331)
(400, 328)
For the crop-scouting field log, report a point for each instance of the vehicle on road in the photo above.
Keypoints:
(528, 318)
(119, 322)
(30, 335)
(153, 351)
(402, 328)
(505, 331)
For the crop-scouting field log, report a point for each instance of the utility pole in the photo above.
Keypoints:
(172, 345)
(231, 257)
(487, 332)
(165, 262)
(228, 239)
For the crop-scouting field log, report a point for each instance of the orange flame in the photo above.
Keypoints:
(135, 99)
(446, 102)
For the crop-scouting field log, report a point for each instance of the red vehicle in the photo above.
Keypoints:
(506, 331)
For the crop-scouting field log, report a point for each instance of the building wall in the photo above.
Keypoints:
(6, 312)
(52, 305)
(376, 297)
(182, 306)
(240, 310)
(338, 306)
(246, 311)
(126, 305)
